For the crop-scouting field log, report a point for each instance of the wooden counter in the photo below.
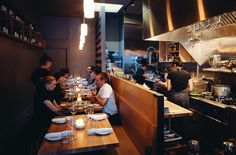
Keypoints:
(176, 110)
(142, 115)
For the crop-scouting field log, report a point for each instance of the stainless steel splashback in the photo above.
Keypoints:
(216, 35)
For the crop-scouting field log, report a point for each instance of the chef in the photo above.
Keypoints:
(179, 83)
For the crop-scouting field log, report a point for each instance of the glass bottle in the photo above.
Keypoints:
(3, 5)
(193, 147)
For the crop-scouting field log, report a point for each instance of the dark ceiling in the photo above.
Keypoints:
(74, 8)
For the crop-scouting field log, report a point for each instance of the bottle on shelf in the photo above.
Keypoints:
(193, 147)
(6, 27)
(3, 5)
(16, 32)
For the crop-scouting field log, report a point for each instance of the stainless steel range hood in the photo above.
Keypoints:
(202, 40)
(216, 34)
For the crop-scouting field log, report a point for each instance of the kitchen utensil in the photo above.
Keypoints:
(214, 60)
(221, 90)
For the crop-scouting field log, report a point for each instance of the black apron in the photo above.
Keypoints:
(181, 97)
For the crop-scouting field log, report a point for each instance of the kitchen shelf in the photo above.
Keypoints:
(18, 39)
(220, 70)
(28, 36)
(171, 136)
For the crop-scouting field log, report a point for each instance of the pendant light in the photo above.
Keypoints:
(88, 8)
(84, 29)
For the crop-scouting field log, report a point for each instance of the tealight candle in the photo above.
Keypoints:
(80, 123)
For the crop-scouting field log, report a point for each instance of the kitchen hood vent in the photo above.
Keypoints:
(216, 35)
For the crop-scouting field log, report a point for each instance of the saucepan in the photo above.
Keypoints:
(221, 90)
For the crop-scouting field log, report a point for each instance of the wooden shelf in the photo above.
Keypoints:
(24, 29)
(18, 39)
(220, 70)
(173, 52)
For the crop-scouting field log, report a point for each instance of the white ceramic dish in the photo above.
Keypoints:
(98, 117)
(103, 131)
(54, 138)
(59, 120)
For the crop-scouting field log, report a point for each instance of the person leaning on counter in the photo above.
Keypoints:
(106, 98)
(179, 83)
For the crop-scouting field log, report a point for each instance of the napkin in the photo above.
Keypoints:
(98, 116)
(100, 131)
(58, 135)
(60, 120)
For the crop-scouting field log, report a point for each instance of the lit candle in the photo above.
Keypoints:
(79, 123)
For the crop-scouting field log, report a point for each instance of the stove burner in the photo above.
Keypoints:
(223, 100)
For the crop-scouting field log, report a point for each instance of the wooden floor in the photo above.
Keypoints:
(125, 147)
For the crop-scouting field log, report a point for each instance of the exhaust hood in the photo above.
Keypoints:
(201, 38)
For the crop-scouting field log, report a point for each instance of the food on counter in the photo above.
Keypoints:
(195, 93)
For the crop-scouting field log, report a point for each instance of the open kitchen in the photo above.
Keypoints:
(118, 77)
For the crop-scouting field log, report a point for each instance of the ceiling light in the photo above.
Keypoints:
(81, 46)
(114, 8)
(89, 8)
(82, 39)
(84, 29)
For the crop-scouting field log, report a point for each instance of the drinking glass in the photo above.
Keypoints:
(73, 108)
(70, 122)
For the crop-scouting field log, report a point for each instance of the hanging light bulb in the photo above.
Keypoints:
(82, 39)
(88, 8)
(84, 29)
(81, 46)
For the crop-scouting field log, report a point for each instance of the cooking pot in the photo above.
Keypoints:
(221, 90)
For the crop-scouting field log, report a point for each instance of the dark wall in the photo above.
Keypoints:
(17, 62)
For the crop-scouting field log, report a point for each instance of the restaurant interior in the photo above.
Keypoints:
(120, 38)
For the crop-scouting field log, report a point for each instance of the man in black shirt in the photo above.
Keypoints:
(41, 72)
(45, 107)
(139, 76)
(179, 83)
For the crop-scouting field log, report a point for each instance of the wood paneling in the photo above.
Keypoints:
(141, 115)
(54, 25)
(59, 56)
(64, 33)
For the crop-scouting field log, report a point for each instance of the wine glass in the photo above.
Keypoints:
(73, 109)
(68, 137)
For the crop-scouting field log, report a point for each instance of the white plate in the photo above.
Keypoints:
(103, 131)
(59, 120)
(98, 117)
(53, 138)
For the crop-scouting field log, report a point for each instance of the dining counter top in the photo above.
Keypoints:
(84, 143)
(175, 110)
